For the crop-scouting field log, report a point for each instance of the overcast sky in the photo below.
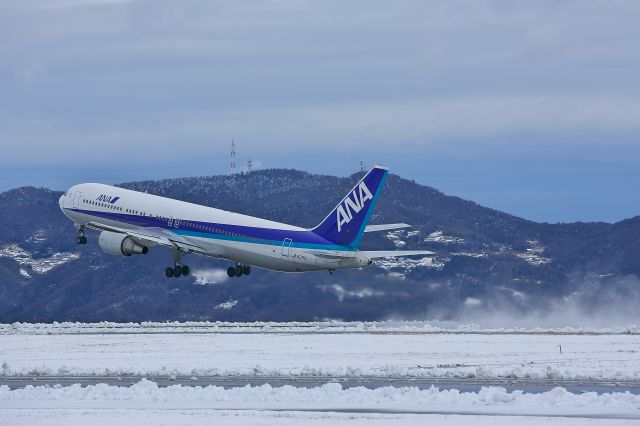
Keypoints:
(531, 107)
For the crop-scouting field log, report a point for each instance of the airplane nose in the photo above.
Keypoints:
(62, 200)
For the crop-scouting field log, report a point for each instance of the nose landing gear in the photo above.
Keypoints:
(81, 238)
(238, 270)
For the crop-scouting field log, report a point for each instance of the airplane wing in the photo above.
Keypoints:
(153, 236)
(386, 227)
(396, 253)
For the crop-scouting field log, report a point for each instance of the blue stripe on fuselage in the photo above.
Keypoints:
(248, 234)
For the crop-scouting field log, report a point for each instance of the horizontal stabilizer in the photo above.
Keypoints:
(386, 227)
(396, 253)
(332, 256)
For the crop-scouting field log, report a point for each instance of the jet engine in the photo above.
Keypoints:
(120, 244)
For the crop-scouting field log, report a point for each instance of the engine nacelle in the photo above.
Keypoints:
(120, 244)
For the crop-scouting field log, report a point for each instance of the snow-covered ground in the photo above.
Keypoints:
(40, 266)
(533, 254)
(440, 237)
(328, 349)
(354, 327)
(317, 349)
(490, 401)
(188, 417)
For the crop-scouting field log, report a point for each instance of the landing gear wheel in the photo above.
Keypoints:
(246, 270)
(231, 271)
(239, 270)
(177, 271)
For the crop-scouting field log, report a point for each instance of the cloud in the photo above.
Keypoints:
(158, 72)
(139, 80)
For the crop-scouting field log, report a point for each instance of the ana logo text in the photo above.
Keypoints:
(107, 199)
(352, 204)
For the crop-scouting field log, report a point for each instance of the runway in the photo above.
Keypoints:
(462, 384)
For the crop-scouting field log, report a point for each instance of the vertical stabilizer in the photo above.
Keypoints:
(346, 222)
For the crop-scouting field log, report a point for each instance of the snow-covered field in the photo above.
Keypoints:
(187, 417)
(372, 327)
(331, 349)
(322, 403)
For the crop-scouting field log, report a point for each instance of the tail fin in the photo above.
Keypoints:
(345, 224)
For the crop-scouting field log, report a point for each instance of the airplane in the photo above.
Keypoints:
(131, 222)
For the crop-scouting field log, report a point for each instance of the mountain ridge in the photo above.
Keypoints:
(482, 254)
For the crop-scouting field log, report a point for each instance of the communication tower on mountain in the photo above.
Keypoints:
(232, 168)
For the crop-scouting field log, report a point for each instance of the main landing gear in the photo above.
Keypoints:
(81, 238)
(238, 270)
(178, 269)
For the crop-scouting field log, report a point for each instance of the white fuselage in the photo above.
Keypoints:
(218, 233)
